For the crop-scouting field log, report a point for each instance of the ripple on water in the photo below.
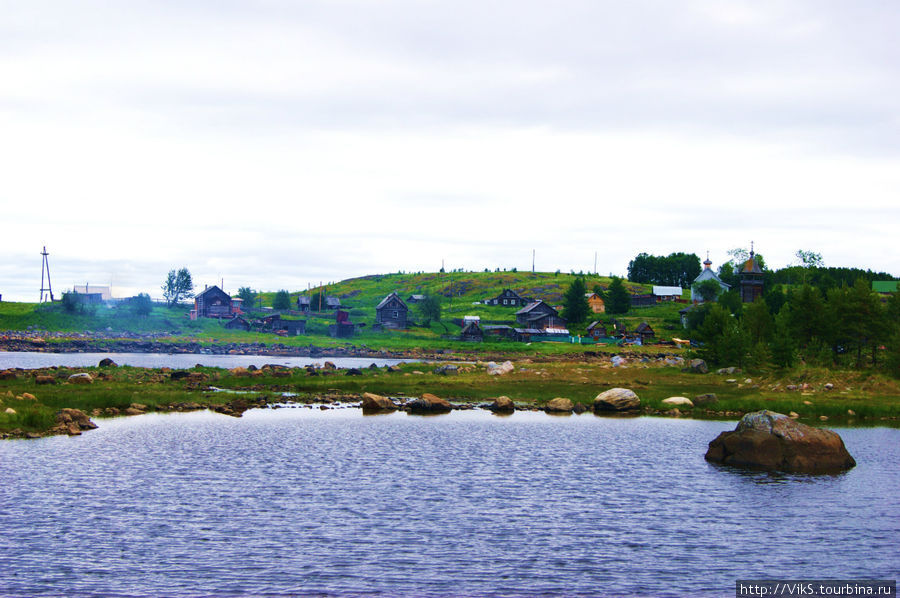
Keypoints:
(297, 501)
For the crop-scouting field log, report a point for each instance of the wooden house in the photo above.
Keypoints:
(415, 298)
(332, 303)
(539, 315)
(667, 293)
(472, 332)
(596, 303)
(596, 330)
(509, 298)
(391, 312)
(303, 304)
(213, 302)
(644, 332)
(237, 323)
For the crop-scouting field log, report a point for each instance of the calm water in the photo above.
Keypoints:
(28, 360)
(306, 502)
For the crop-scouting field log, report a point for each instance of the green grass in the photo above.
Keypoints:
(875, 399)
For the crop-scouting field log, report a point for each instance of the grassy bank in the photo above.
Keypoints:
(855, 398)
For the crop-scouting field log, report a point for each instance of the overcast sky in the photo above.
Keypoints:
(274, 144)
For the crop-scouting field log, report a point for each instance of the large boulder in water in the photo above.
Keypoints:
(429, 403)
(772, 441)
(617, 399)
(559, 405)
(502, 404)
(373, 402)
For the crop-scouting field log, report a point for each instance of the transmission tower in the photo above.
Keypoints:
(45, 267)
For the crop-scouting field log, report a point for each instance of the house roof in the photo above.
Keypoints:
(643, 327)
(596, 324)
(387, 299)
(751, 266)
(708, 274)
(212, 290)
(884, 286)
(661, 291)
(533, 305)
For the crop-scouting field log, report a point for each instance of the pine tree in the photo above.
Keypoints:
(575, 305)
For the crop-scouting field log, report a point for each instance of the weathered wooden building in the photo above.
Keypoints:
(392, 312)
(237, 323)
(509, 298)
(539, 315)
(643, 300)
(303, 304)
(213, 302)
(471, 332)
(644, 332)
(415, 298)
(596, 330)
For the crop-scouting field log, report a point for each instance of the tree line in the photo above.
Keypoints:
(845, 326)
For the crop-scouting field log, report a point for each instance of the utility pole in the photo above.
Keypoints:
(532, 261)
(45, 265)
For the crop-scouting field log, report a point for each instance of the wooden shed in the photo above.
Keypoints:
(471, 332)
(392, 312)
(596, 330)
(237, 323)
(644, 332)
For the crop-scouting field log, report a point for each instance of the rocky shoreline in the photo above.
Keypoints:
(19, 343)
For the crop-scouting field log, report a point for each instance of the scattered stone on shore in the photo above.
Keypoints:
(709, 398)
(499, 370)
(697, 366)
(44, 379)
(73, 421)
(617, 399)
(27, 396)
(793, 415)
(429, 403)
(729, 371)
(678, 402)
(374, 402)
(8, 375)
(329, 365)
(9, 411)
(772, 441)
(80, 378)
(447, 370)
(106, 362)
(502, 404)
(559, 405)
